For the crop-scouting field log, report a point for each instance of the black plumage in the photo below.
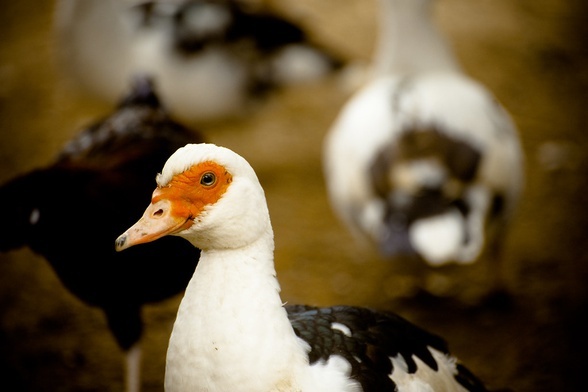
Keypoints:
(71, 211)
(374, 337)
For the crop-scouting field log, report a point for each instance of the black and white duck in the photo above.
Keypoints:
(233, 331)
(423, 160)
(211, 59)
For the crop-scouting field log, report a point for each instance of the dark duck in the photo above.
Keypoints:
(98, 177)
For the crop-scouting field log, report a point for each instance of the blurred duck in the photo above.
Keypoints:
(423, 160)
(210, 58)
(233, 332)
(98, 177)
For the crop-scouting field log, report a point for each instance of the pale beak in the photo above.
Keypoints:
(157, 222)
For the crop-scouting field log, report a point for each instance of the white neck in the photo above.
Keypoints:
(408, 40)
(232, 332)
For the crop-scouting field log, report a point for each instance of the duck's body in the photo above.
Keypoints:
(211, 58)
(233, 332)
(113, 159)
(423, 160)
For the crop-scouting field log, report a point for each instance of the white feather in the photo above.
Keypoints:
(342, 328)
(438, 238)
(426, 379)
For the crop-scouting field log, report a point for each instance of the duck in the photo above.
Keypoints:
(422, 162)
(212, 59)
(233, 332)
(98, 176)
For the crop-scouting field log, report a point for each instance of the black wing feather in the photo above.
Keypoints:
(375, 338)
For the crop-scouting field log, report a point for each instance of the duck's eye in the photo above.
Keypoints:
(208, 179)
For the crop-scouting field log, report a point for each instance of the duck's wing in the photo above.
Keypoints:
(381, 347)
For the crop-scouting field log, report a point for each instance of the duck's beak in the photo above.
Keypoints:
(157, 222)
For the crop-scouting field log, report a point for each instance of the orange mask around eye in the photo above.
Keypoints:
(188, 196)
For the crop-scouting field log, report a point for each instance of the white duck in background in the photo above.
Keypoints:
(423, 160)
(210, 58)
(233, 332)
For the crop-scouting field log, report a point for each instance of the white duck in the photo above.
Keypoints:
(233, 332)
(423, 160)
(210, 58)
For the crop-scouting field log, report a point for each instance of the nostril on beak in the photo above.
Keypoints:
(120, 242)
(158, 213)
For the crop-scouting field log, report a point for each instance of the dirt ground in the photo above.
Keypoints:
(531, 53)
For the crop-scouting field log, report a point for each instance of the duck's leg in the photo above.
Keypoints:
(133, 368)
(126, 326)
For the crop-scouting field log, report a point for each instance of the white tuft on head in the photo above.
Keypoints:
(192, 154)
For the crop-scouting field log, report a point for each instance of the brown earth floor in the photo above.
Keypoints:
(530, 53)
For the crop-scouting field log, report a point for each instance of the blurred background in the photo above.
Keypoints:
(531, 53)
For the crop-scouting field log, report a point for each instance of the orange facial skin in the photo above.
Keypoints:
(174, 206)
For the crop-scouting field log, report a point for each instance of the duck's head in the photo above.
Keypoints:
(206, 194)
